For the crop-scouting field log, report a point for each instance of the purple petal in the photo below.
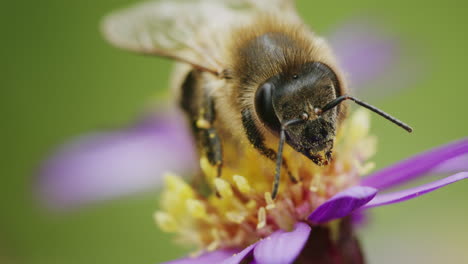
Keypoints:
(364, 50)
(238, 257)
(282, 247)
(452, 166)
(400, 196)
(343, 204)
(211, 257)
(105, 165)
(416, 166)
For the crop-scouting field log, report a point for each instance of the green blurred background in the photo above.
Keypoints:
(59, 79)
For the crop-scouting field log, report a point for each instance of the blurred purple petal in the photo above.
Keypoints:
(452, 166)
(364, 50)
(375, 61)
(211, 257)
(416, 166)
(282, 247)
(238, 257)
(343, 204)
(105, 165)
(400, 196)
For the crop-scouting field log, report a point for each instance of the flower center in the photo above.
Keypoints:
(238, 209)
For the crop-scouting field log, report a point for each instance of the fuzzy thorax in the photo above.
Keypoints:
(239, 210)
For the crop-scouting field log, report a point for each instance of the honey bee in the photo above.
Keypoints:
(250, 73)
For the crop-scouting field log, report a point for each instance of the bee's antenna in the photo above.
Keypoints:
(374, 109)
(279, 157)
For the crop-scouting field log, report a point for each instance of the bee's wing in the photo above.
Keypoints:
(183, 30)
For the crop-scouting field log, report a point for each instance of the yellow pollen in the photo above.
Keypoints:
(173, 200)
(360, 125)
(212, 246)
(196, 208)
(261, 218)
(366, 168)
(203, 123)
(209, 170)
(316, 185)
(251, 204)
(242, 184)
(175, 183)
(269, 201)
(223, 187)
(235, 217)
(165, 221)
(216, 240)
(196, 253)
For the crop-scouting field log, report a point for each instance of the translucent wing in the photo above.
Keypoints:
(189, 31)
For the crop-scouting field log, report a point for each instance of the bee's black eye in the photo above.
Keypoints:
(264, 107)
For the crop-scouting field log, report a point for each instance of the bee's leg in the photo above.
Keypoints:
(200, 108)
(210, 140)
(257, 140)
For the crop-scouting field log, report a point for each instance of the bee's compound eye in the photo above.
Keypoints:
(264, 107)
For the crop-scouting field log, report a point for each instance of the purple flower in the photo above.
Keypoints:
(302, 244)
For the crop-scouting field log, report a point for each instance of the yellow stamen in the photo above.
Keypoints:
(261, 218)
(196, 253)
(175, 183)
(316, 185)
(212, 246)
(366, 168)
(251, 204)
(165, 221)
(269, 201)
(223, 187)
(235, 217)
(209, 170)
(216, 240)
(196, 208)
(173, 200)
(242, 184)
(359, 125)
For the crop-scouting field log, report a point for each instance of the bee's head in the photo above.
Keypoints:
(300, 97)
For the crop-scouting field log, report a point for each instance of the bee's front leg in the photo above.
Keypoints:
(258, 141)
